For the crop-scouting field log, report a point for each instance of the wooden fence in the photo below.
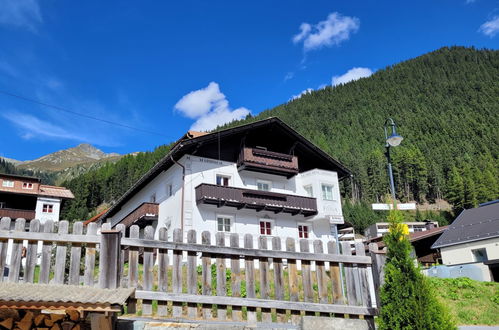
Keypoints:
(277, 281)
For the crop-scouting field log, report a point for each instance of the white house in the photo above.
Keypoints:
(261, 178)
(472, 240)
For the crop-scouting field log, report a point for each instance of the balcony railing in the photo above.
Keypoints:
(142, 215)
(16, 213)
(255, 199)
(254, 159)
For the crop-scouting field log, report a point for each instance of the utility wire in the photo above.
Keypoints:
(80, 114)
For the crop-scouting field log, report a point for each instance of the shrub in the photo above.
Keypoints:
(407, 298)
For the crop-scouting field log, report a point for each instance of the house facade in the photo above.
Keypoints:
(261, 178)
(25, 197)
(381, 228)
(472, 240)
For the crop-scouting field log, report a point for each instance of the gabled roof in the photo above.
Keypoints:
(196, 143)
(53, 191)
(472, 225)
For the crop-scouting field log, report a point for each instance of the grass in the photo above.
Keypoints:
(470, 302)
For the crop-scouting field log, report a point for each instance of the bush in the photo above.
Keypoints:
(407, 298)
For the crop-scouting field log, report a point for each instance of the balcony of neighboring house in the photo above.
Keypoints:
(258, 200)
(17, 213)
(262, 160)
(143, 215)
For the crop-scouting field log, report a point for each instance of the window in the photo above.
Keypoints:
(309, 190)
(27, 185)
(303, 231)
(265, 227)
(169, 190)
(223, 180)
(263, 185)
(8, 183)
(48, 208)
(2, 205)
(152, 199)
(327, 192)
(224, 223)
(479, 255)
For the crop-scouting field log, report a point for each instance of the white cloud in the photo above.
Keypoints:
(209, 107)
(490, 28)
(332, 31)
(350, 75)
(20, 13)
(303, 92)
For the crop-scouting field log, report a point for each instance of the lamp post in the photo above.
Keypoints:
(391, 141)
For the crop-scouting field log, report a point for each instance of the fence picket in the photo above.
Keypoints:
(75, 259)
(177, 272)
(293, 279)
(192, 281)
(48, 227)
(349, 275)
(162, 272)
(221, 277)
(133, 267)
(206, 273)
(31, 253)
(60, 256)
(321, 274)
(250, 278)
(308, 293)
(264, 279)
(235, 278)
(148, 270)
(278, 278)
(17, 250)
(121, 282)
(334, 270)
(4, 244)
(90, 251)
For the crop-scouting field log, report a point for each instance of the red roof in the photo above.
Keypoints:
(54, 191)
(94, 218)
(419, 235)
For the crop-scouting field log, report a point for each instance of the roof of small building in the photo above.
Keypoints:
(24, 292)
(472, 225)
(43, 190)
(53, 191)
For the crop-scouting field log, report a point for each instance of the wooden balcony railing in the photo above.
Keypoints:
(143, 214)
(255, 199)
(16, 213)
(254, 159)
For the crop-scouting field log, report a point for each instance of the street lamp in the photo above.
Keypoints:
(391, 141)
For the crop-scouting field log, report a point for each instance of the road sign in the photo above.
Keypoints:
(402, 206)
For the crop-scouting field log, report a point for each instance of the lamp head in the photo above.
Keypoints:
(394, 140)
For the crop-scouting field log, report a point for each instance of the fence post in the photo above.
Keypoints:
(110, 245)
(373, 248)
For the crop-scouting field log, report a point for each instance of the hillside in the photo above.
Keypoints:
(445, 104)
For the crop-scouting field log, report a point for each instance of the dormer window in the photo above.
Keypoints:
(264, 185)
(27, 185)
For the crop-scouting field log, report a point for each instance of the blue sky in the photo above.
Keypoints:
(166, 67)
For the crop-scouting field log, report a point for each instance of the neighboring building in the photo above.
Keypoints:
(25, 197)
(381, 228)
(261, 178)
(473, 238)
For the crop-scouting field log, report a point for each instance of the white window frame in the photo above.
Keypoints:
(267, 182)
(231, 225)
(309, 230)
(332, 192)
(229, 177)
(8, 183)
(474, 255)
(272, 227)
(49, 207)
(29, 185)
(311, 192)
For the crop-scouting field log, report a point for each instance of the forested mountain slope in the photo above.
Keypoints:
(446, 105)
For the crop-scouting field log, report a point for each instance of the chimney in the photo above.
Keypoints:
(429, 225)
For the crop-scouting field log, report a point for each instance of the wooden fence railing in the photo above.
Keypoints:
(277, 281)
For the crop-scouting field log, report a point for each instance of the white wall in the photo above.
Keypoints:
(461, 253)
(40, 215)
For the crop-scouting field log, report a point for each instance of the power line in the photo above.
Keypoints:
(80, 114)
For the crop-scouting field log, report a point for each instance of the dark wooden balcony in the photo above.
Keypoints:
(143, 215)
(259, 160)
(16, 213)
(255, 199)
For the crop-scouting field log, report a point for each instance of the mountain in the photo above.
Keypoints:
(445, 104)
(83, 154)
